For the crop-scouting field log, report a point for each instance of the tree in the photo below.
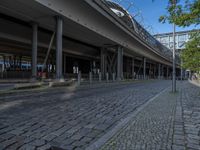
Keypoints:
(182, 14)
(191, 54)
(186, 14)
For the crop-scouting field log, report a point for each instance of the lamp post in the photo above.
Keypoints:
(174, 56)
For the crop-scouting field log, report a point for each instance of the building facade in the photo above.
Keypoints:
(181, 38)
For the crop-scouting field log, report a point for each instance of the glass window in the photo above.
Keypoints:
(164, 39)
(182, 37)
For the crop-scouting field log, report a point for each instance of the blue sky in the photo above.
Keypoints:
(151, 11)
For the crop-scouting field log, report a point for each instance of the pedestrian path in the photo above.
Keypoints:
(150, 129)
(169, 122)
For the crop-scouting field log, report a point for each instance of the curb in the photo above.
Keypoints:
(194, 83)
(123, 122)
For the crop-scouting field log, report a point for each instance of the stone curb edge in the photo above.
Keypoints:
(123, 122)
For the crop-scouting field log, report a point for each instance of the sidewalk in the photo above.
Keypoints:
(168, 122)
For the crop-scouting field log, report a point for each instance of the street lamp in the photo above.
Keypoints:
(174, 56)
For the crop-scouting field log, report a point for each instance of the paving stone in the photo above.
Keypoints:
(37, 143)
(49, 119)
(7, 143)
(27, 147)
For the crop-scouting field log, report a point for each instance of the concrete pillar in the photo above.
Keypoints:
(14, 62)
(100, 77)
(4, 62)
(20, 62)
(144, 68)
(59, 33)
(133, 68)
(103, 62)
(113, 76)
(90, 77)
(159, 71)
(107, 77)
(64, 63)
(34, 50)
(167, 72)
(79, 78)
(119, 63)
(122, 61)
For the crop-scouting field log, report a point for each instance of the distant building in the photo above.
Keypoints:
(181, 38)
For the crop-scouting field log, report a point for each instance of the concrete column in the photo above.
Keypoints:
(122, 62)
(100, 76)
(14, 62)
(144, 68)
(133, 68)
(167, 72)
(162, 71)
(64, 63)
(90, 77)
(20, 62)
(119, 63)
(107, 77)
(34, 49)
(113, 76)
(4, 62)
(59, 33)
(79, 78)
(159, 71)
(103, 61)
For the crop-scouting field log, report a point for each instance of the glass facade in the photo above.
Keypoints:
(167, 39)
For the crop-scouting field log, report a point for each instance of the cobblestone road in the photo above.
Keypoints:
(149, 130)
(190, 96)
(171, 121)
(74, 120)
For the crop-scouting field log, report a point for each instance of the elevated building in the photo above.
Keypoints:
(67, 37)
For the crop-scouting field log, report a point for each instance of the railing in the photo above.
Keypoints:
(141, 32)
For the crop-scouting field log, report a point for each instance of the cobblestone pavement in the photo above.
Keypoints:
(74, 120)
(171, 121)
(190, 96)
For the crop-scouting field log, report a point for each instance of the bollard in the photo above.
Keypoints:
(107, 76)
(100, 77)
(79, 78)
(113, 76)
(90, 77)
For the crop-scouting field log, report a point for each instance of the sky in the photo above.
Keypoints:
(148, 13)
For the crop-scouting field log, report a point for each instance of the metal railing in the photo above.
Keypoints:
(141, 32)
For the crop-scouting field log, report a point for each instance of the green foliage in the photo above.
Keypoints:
(182, 14)
(186, 14)
(191, 55)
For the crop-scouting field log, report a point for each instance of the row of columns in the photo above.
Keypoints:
(59, 33)
(59, 62)
(119, 67)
